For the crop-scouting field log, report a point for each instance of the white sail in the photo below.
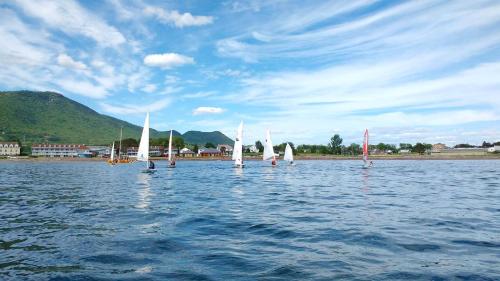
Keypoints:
(238, 146)
(268, 147)
(113, 152)
(143, 152)
(288, 153)
(170, 147)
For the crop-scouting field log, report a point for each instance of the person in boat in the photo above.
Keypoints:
(151, 165)
(371, 163)
(273, 162)
(172, 163)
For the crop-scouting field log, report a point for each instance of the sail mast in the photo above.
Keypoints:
(170, 147)
(121, 136)
(365, 146)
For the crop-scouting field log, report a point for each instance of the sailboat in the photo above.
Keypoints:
(269, 150)
(171, 161)
(112, 156)
(288, 154)
(366, 164)
(143, 152)
(238, 148)
(120, 159)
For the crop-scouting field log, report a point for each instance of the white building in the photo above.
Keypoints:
(60, 150)
(9, 149)
(494, 148)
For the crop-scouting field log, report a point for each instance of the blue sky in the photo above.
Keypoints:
(408, 71)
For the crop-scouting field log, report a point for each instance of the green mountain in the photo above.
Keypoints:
(197, 137)
(51, 117)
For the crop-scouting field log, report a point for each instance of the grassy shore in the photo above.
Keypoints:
(297, 157)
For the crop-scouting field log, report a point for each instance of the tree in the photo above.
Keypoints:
(354, 149)
(209, 145)
(486, 144)
(195, 148)
(178, 142)
(405, 146)
(335, 144)
(259, 146)
(129, 142)
(419, 148)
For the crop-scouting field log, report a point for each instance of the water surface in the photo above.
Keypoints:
(318, 220)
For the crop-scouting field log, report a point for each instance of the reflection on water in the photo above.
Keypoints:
(144, 190)
(318, 220)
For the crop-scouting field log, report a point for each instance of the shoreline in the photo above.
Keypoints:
(258, 158)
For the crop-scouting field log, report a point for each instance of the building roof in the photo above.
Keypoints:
(49, 145)
(226, 146)
(208, 150)
(7, 144)
(186, 150)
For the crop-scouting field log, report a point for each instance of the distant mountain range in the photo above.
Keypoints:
(51, 117)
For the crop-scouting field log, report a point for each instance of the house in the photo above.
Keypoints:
(404, 151)
(438, 147)
(225, 149)
(100, 150)
(186, 152)
(9, 149)
(495, 148)
(60, 150)
(175, 151)
(252, 148)
(208, 152)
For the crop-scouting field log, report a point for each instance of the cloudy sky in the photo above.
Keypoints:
(408, 71)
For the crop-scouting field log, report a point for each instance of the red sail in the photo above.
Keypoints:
(365, 145)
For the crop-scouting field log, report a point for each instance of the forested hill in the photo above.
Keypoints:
(51, 117)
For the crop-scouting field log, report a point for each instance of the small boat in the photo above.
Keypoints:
(269, 150)
(288, 154)
(238, 147)
(171, 159)
(366, 164)
(143, 151)
(122, 160)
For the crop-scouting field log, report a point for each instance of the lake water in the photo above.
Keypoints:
(318, 220)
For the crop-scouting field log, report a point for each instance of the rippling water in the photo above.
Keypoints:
(318, 220)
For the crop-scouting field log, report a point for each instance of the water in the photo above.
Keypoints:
(318, 220)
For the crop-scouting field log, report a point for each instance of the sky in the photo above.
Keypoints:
(409, 71)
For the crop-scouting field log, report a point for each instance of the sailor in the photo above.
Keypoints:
(273, 162)
(151, 165)
(172, 163)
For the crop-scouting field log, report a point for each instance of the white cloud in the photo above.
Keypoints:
(67, 61)
(149, 88)
(135, 108)
(167, 60)
(176, 18)
(199, 95)
(71, 18)
(207, 110)
(83, 88)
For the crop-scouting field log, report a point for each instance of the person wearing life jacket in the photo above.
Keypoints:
(273, 162)
(151, 165)
(172, 163)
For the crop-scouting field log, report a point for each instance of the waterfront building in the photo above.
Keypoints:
(438, 147)
(208, 152)
(186, 152)
(9, 149)
(225, 149)
(60, 150)
(175, 151)
(154, 151)
(495, 148)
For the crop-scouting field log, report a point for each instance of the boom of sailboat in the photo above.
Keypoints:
(237, 155)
